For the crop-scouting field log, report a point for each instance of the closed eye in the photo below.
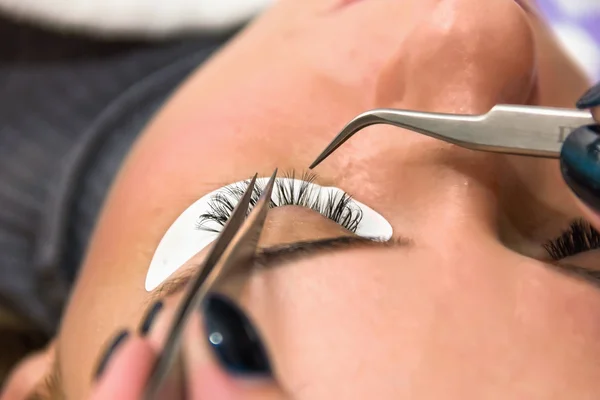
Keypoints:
(335, 204)
(580, 237)
(200, 224)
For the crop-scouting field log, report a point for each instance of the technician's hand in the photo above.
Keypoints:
(126, 371)
(127, 362)
(580, 159)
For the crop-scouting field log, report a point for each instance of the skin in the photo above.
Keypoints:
(470, 310)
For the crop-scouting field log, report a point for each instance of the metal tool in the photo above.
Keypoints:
(521, 130)
(231, 254)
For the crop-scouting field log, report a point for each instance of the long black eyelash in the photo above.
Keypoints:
(578, 238)
(337, 207)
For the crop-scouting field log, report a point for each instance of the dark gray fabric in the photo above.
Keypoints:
(69, 110)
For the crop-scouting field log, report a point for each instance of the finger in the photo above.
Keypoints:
(126, 372)
(206, 378)
(591, 99)
(580, 167)
(580, 159)
(203, 380)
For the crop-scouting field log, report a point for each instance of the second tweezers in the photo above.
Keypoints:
(521, 130)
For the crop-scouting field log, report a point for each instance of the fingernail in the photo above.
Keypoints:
(590, 99)
(110, 350)
(232, 336)
(580, 164)
(150, 317)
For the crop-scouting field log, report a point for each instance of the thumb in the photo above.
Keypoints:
(591, 99)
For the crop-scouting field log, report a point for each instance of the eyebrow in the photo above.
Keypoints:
(586, 274)
(278, 255)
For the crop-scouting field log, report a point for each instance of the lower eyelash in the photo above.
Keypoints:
(337, 207)
(579, 238)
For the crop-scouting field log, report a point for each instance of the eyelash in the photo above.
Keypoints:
(338, 208)
(578, 238)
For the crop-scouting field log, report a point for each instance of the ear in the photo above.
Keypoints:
(30, 372)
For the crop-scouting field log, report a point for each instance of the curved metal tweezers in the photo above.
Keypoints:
(521, 130)
(233, 250)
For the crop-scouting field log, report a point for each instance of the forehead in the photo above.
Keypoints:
(406, 314)
(486, 275)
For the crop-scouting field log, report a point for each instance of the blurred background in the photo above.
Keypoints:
(74, 95)
(577, 24)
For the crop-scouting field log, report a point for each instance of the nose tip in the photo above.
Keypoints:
(464, 57)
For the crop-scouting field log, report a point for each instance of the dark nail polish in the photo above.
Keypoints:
(110, 350)
(148, 320)
(233, 338)
(591, 98)
(580, 164)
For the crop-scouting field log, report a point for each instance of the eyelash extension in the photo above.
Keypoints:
(578, 238)
(336, 207)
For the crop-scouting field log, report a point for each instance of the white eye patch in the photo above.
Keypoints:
(200, 224)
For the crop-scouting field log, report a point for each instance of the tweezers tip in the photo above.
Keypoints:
(321, 157)
(319, 160)
(272, 179)
(268, 190)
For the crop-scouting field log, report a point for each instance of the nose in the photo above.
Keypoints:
(464, 57)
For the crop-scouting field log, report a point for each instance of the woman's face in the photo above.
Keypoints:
(468, 307)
